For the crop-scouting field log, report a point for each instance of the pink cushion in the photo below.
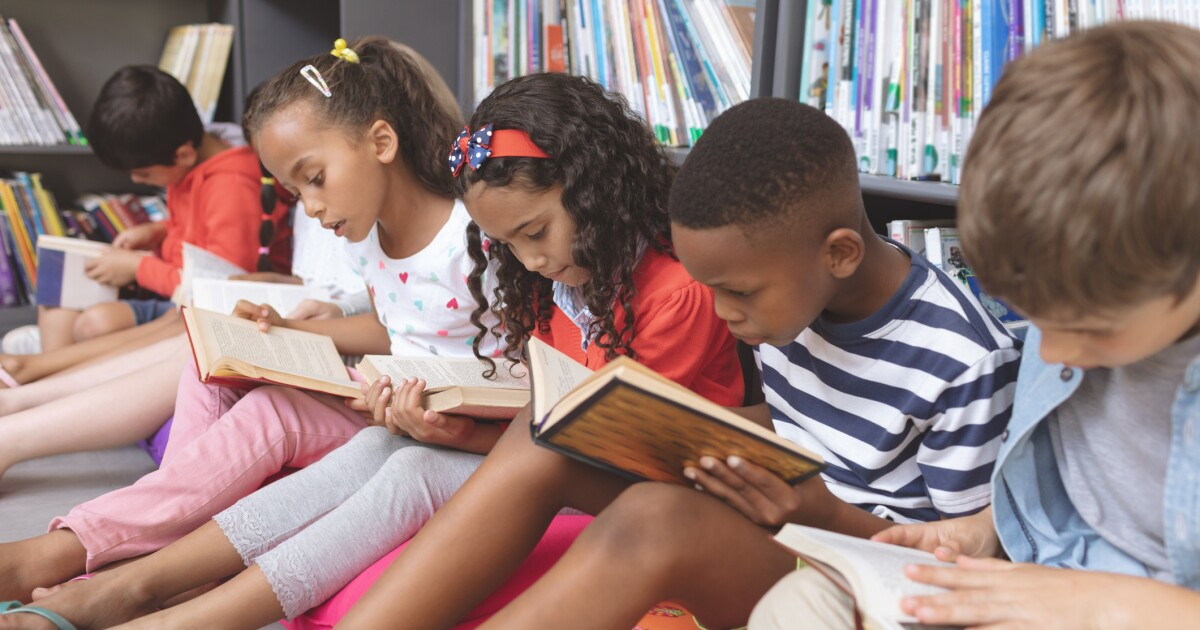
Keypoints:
(562, 532)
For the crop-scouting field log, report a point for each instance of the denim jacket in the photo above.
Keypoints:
(1035, 518)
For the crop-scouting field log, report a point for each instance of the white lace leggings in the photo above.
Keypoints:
(314, 531)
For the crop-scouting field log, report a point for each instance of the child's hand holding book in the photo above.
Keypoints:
(973, 536)
(115, 267)
(264, 314)
(764, 497)
(406, 416)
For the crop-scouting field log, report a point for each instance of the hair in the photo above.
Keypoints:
(141, 117)
(391, 83)
(615, 179)
(768, 163)
(1076, 195)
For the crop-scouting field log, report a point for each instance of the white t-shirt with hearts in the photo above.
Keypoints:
(423, 300)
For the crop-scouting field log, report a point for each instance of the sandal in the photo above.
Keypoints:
(60, 622)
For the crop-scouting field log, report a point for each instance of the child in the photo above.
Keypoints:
(869, 356)
(393, 200)
(1083, 158)
(144, 122)
(537, 206)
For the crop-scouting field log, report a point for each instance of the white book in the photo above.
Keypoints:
(201, 263)
(871, 572)
(61, 279)
(222, 295)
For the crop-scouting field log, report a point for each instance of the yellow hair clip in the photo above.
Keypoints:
(343, 52)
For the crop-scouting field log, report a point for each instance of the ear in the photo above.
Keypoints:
(842, 252)
(385, 144)
(186, 155)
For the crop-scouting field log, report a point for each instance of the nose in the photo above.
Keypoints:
(727, 311)
(313, 209)
(532, 260)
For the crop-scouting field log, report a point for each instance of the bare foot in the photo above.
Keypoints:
(101, 602)
(14, 364)
(46, 559)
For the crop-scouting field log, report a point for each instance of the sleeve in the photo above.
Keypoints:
(158, 275)
(959, 448)
(682, 338)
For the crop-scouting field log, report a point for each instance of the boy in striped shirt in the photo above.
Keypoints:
(869, 356)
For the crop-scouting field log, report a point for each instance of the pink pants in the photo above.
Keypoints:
(224, 444)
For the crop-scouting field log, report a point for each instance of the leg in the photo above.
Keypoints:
(515, 493)
(57, 326)
(102, 416)
(54, 387)
(47, 559)
(311, 566)
(139, 587)
(30, 368)
(102, 319)
(647, 547)
(807, 595)
(268, 430)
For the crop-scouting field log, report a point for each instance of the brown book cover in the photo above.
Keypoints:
(628, 419)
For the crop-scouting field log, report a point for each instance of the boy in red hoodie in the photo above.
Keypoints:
(144, 122)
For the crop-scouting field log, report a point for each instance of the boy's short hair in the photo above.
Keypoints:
(1078, 192)
(762, 163)
(141, 117)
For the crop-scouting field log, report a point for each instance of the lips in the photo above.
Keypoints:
(337, 227)
(557, 275)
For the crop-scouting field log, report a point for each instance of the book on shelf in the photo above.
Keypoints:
(632, 421)
(231, 350)
(456, 385)
(872, 573)
(197, 55)
(31, 110)
(678, 63)
(61, 279)
(908, 79)
(911, 233)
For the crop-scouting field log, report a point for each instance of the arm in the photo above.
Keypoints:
(759, 414)
(360, 334)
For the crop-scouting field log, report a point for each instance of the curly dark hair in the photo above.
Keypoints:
(615, 180)
(392, 82)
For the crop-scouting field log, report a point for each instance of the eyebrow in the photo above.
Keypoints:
(298, 165)
(524, 225)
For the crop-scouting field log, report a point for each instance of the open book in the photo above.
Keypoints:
(233, 350)
(204, 283)
(871, 572)
(201, 263)
(630, 420)
(456, 385)
(61, 280)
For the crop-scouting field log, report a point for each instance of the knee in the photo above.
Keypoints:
(97, 321)
(372, 439)
(648, 523)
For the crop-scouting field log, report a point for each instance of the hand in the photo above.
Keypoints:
(316, 309)
(991, 593)
(267, 276)
(115, 267)
(375, 400)
(405, 416)
(762, 496)
(144, 236)
(261, 313)
(973, 536)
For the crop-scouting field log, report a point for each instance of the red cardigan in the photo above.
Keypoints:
(677, 332)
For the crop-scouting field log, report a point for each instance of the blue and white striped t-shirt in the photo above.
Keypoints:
(907, 406)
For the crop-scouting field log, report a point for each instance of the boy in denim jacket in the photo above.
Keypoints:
(1078, 208)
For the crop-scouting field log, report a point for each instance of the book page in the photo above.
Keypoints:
(280, 349)
(875, 570)
(221, 296)
(553, 374)
(440, 373)
(201, 263)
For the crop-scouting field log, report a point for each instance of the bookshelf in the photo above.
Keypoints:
(82, 42)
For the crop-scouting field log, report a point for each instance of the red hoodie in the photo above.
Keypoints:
(216, 207)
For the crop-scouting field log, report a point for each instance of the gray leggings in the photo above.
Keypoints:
(314, 531)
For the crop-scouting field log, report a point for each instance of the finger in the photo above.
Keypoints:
(389, 419)
(381, 403)
(718, 488)
(356, 404)
(986, 564)
(962, 608)
(952, 577)
(768, 484)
